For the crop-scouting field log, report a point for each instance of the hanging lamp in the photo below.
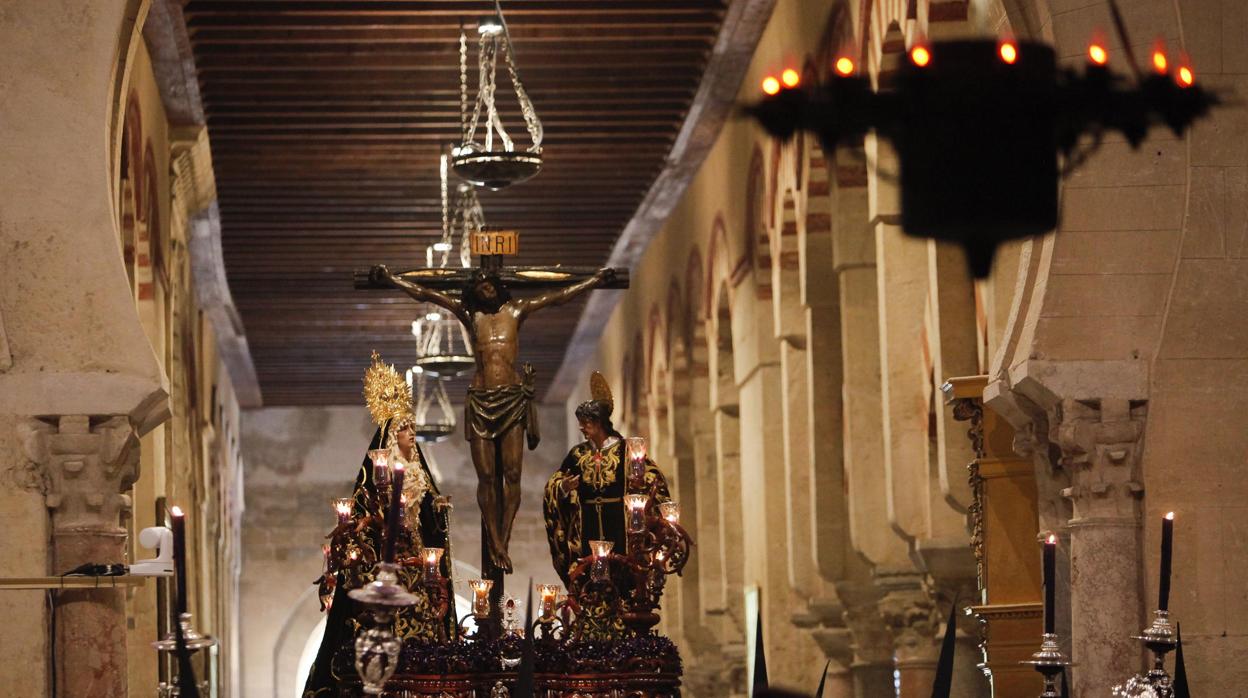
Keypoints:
(487, 156)
(443, 347)
(435, 420)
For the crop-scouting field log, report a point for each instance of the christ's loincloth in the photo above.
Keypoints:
(491, 412)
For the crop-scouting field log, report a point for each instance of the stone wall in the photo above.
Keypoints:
(298, 459)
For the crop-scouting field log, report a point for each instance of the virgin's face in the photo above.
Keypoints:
(406, 440)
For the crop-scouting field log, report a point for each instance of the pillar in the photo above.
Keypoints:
(87, 465)
(1101, 441)
(911, 614)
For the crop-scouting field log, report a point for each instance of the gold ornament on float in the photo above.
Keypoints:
(386, 392)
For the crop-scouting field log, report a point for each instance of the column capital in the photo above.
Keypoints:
(1101, 442)
(910, 612)
(85, 465)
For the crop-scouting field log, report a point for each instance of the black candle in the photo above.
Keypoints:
(1050, 551)
(392, 515)
(178, 524)
(1167, 549)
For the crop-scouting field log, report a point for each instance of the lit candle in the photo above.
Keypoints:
(670, 512)
(403, 507)
(177, 522)
(432, 558)
(636, 446)
(381, 465)
(548, 592)
(1167, 550)
(600, 549)
(636, 504)
(392, 516)
(343, 509)
(480, 596)
(1050, 560)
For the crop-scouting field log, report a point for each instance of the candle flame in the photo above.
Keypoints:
(1097, 54)
(1052, 539)
(1008, 51)
(790, 77)
(921, 56)
(845, 66)
(1186, 78)
(430, 556)
(398, 466)
(771, 85)
(1160, 63)
(1170, 516)
(176, 511)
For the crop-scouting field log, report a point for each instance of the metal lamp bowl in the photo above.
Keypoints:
(446, 365)
(498, 169)
(433, 433)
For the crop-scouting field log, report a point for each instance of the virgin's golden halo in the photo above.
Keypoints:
(386, 393)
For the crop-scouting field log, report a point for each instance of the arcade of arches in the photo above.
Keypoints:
(862, 437)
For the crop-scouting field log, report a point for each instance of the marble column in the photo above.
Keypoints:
(87, 464)
(1101, 442)
(871, 646)
(910, 613)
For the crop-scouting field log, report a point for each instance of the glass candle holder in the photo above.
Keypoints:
(381, 465)
(600, 550)
(342, 507)
(480, 596)
(670, 511)
(636, 504)
(636, 448)
(549, 593)
(432, 559)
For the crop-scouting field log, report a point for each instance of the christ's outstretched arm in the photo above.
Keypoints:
(565, 294)
(421, 293)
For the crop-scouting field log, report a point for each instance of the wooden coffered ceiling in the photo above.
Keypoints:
(326, 119)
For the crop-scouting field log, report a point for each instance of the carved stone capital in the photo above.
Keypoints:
(87, 464)
(909, 611)
(1101, 442)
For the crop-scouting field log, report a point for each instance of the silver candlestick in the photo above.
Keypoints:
(1159, 638)
(1050, 662)
(377, 649)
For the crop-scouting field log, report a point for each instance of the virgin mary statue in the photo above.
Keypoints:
(357, 543)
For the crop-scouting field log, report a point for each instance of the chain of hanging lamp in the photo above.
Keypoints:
(487, 66)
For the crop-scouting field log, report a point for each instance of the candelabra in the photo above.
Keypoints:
(376, 648)
(631, 583)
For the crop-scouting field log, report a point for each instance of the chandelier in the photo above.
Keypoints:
(443, 349)
(435, 420)
(487, 156)
(978, 126)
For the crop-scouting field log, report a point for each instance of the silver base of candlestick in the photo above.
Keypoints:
(193, 639)
(1049, 661)
(1160, 639)
(385, 589)
(1159, 636)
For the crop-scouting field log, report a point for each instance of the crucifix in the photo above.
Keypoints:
(499, 412)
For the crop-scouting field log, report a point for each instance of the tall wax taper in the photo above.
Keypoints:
(178, 523)
(1050, 550)
(1167, 551)
(392, 515)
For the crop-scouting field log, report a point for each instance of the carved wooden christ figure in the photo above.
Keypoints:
(499, 409)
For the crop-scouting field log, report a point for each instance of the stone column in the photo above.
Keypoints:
(871, 662)
(910, 612)
(1101, 442)
(87, 465)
